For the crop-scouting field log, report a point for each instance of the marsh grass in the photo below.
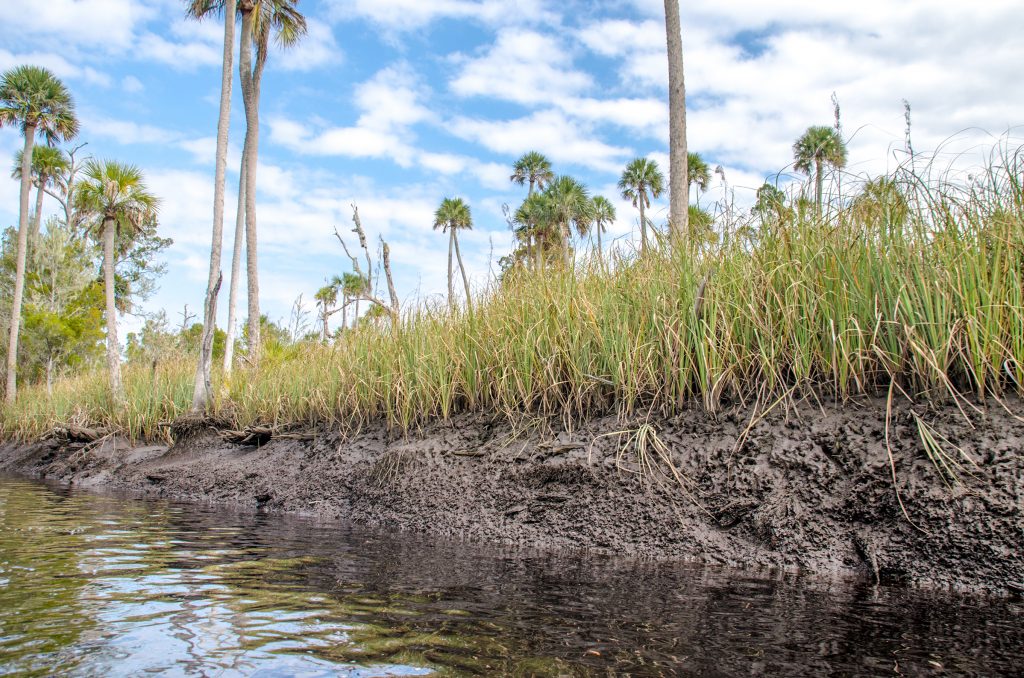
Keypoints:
(924, 295)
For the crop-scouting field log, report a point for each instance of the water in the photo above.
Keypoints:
(100, 585)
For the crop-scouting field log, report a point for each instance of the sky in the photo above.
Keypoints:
(394, 105)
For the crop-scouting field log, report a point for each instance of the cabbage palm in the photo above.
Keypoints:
(603, 212)
(770, 204)
(570, 207)
(326, 299)
(534, 169)
(454, 214)
(49, 164)
(198, 9)
(353, 285)
(535, 217)
(698, 173)
(817, 147)
(31, 98)
(115, 195)
(641, 181)
(679, 191)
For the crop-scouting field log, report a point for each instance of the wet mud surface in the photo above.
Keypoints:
(807, 490)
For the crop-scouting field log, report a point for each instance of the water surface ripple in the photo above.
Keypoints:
(95, 585)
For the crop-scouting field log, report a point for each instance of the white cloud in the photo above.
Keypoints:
(316, 49)
(560, 138)
(521, 66)
(105, 24)
(60, 66)
(131, 84)
(128, 132)
(411, 14)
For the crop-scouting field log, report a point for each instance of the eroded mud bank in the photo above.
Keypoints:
(810, 489)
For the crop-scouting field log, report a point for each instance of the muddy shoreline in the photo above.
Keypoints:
(806, 490)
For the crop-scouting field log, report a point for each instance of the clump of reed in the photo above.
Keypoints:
(916, 285)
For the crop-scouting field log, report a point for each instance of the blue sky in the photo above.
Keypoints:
(396, 104)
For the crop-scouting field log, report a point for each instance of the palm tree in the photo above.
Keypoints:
(49, 164)
(882, 204)
(698, 173)
(534, 216)
(116, 195)
(817, 147)
(534, 169)
(199, 9)
(679, 193)
(259, 19)
(641, 181)
(770, 204)
(353, 285)
(34, 99)
(454, 214)
(603, 212)
(327, 298)
(570, 206)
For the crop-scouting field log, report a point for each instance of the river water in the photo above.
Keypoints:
(96, 585)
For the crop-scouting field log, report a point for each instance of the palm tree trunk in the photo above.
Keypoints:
(679, 194)
(113, 347)
(451, 287)
(236, 266)
(566, 238)
(202, 391)
(643, 226)
(818, 181)
(19, 276)
(465, 279)
(33, 235)
(252, 124)
(539, 251)
(344, 311)
(600, 252)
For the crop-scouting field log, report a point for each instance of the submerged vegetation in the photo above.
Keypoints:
(910, 285)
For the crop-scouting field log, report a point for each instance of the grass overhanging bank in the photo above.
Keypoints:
(912, 288)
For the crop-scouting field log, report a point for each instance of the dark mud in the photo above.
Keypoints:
(806, 490)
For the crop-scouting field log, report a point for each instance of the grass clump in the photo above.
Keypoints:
(916, 283)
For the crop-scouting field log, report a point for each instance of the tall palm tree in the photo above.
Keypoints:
(49, 164)
(260, 18)
(115, 194)
(679, 193)
(352, 285)
(532, 168)
(32, 98)
(454, 214)
(603, 212)
(198, 9)
(817, 147)
(535, 217)
(641, 181)
(327, 298)
(570, 206)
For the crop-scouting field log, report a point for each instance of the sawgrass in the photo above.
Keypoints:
(927, 299)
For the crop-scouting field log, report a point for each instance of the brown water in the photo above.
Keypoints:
(100, 585)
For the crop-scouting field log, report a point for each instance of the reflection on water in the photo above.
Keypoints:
(94, 585)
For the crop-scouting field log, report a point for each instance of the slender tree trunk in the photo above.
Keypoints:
(643, 226)
(451, 287)
(236, 268)
(33, 236)
(113, 346)
(252, 124)
(539, 252)
(600, 252)
(355, 315)
(566, 239)
(679, 194)
(344, 311)
(323, 319)
(19, 276)
(465, 278)
(49, 376)
(203, 392)
(818, 181)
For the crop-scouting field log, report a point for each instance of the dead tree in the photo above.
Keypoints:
(368, 292)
